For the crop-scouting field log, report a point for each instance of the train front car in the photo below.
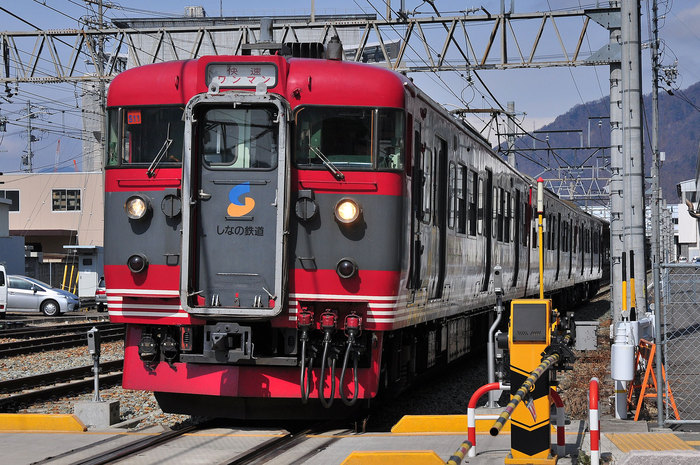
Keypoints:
(254, 230)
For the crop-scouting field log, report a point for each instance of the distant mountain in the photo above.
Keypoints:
(679, 136)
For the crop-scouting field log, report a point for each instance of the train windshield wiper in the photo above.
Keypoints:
(161, 153)
(328, 164)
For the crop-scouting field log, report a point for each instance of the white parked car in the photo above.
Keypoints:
(3, 292)
(29, 294)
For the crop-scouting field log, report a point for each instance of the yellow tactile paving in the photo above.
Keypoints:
(647, 441)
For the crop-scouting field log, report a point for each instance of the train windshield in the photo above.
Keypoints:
(139, 135)
(239, 137)
(350, 138)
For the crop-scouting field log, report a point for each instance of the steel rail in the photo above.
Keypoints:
(60, 389)
(135, 447)
(44, 379)
(9, 349)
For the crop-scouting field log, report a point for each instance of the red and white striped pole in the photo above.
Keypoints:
(471, 412)
(594, 421)
(561, 422)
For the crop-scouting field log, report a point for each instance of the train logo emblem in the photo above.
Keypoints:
(236, 208)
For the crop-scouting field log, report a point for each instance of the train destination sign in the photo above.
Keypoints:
(242, 75)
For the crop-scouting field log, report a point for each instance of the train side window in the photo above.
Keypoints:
(535, 236)
(474, 185)
(453, 185)
(480, 209)
(427, 160)
(462, 199)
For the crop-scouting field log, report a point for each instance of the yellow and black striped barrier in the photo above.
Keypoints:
(522, 392)
(460, 453)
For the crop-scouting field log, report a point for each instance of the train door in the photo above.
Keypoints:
(416, 211)
(517, 223)
(235, 187)
(440, 180)
(572, 236)
(488, 228)
(557, 244)
(582, 246)
(527, 233)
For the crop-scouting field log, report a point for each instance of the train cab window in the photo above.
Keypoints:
(139, 135)
(349, 138)
(239, 138)
(390, 143)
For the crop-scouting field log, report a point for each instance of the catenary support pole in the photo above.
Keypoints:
(633, 194)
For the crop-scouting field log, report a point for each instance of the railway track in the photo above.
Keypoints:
(48, 385)
(152, 449)
(9, 349)
(29, 332)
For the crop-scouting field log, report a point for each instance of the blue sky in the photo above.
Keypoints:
(541, 94)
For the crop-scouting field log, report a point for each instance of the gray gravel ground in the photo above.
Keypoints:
(446, 393)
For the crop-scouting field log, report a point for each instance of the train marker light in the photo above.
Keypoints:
(347, 211)
(136, 207)
(346, 268)
(137, 263)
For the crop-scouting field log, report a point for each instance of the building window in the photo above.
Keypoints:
(63, 200)
(13, 196)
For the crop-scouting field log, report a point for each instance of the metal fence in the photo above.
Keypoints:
(681, 339)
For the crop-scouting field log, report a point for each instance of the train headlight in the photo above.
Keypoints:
(347, 211)
(136, 207)
(346, 268)
(137, 263)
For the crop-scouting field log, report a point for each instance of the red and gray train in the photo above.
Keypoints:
(286, 234)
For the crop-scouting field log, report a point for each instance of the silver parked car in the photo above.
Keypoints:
(24, 293)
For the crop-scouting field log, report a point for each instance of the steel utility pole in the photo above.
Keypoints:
(633, 194)
(103, 96)
(511, 134)
(30, 155)
(655, 197)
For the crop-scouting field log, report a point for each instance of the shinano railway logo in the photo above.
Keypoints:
(236, 208)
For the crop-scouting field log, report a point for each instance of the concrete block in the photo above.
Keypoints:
(586, 338)
(97, 414)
